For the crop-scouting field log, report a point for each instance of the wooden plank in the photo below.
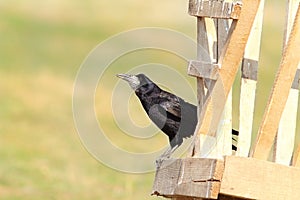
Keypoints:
(291, 10)
(285, 139)
(279, 95)
(166, 178)
(229, 61)
(296, 157)
(202, 55)
(206, 38)
(207, 189)
(189, 178)
(214, 9)
(203, 69)
(248, 84)
(257, 179)
(208, 144)
(224, 132)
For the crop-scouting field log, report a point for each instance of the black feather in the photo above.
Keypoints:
(174, 116)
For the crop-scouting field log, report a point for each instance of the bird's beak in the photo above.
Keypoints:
(131, 79)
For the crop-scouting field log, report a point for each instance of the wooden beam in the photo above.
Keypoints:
(224, 132)
(257, 179)
(248, 84)
(230, 60)
(203, 54)
(203, 69)
(215, 9)
(237, 177)
(285, 139)
(279, 95)
(189, 177)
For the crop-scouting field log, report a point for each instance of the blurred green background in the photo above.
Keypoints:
(43, 44)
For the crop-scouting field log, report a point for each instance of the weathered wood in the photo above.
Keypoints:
(166, 178)
(258, 179)
(238, 177)
(250, 63)
(224, 132)
(206, 38)
(202, 55)
(202, 69)
(248, 84)
(229, 61)
(214, 9)
(283, 148)
(189, 177)
(279, 95)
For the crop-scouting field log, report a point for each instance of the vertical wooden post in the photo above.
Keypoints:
(203, 54)
(248, 84)
(229, 61)
(224, 132)
(284, 143)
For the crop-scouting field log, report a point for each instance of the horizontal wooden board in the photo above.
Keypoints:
(190, 177)
(215, 9)
(257, 179)
(203, 69)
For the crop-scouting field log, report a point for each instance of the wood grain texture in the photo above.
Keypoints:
(189, 178)
(257, 179)
(279, 95)
(224, 131)
(230, 60)
(248, 84)
(203, 69)
(285, 139)
(247, 103)
(204, 56)
(214, 9)
(284, 142)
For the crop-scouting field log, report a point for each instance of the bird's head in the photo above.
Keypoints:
(137, 82)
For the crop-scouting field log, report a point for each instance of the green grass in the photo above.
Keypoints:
(43, 44)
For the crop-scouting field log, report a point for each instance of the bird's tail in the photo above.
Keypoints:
(235, 135)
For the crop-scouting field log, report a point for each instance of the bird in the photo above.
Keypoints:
(170, 113)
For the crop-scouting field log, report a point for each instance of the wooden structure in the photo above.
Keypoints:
(231, 32)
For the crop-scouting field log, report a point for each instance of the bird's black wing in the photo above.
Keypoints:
(185, 113)
(170, 103)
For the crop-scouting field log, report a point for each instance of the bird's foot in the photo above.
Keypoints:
(165, 156)
(159, 161)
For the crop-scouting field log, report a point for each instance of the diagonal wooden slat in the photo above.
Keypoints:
(279, 95)
(230, 60)
(283, 148)
(224, 132)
